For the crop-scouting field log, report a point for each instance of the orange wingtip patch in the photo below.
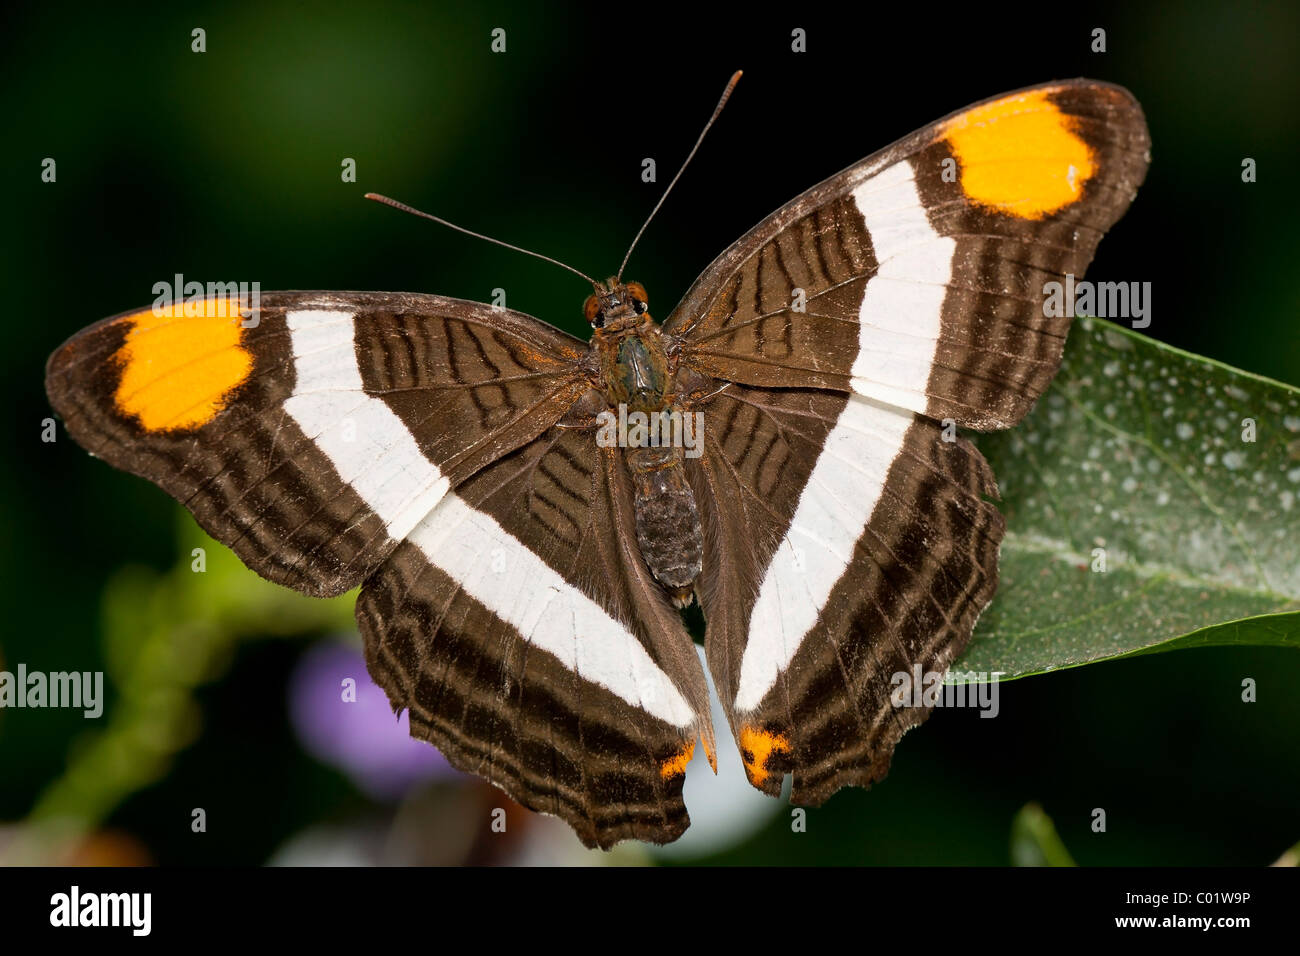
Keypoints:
(755, 747)
(180, 362)
(676, 765)
(1020, 155)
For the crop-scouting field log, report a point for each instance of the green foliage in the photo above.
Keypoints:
(1137, 456)
(165, 635)
(1034, 840)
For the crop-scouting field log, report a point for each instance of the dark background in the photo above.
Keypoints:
(226, 165)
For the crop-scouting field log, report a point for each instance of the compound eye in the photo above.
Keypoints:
(591, 309)
(636, 291)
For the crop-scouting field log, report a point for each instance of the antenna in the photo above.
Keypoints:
(726, 95)
(451, 225)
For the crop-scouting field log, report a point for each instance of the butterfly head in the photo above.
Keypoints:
(617, 306)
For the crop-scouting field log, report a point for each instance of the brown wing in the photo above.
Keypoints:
(856, 545)
(922, 269)
(524, 632)
(311, 442)
(847, 535)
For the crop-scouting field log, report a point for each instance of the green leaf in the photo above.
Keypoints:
(1138, 456)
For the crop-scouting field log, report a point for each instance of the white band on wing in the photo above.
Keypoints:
(363, 438)
(505, 576)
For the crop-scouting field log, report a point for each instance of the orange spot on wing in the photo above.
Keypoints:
(755, 747)
(676, 765)
(180, 362)
(1020, 155)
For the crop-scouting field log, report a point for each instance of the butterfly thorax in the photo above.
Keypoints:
(634, 366)
(637, 378)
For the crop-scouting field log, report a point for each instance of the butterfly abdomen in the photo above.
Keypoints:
(637, 382)
(667, 519)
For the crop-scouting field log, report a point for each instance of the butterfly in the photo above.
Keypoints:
(520, 578)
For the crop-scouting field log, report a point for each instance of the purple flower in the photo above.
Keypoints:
(352, 727)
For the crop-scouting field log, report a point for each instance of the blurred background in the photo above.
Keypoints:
(222, 692)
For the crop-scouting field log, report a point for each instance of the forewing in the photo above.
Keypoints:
(919, 276)
(312, 437)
